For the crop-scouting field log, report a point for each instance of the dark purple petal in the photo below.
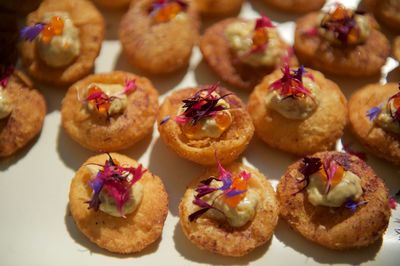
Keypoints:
(197, 214)
(373, 112)
(352, 205)
(299, 73)
(201, 203)
(310, 166)
(208, 180)
(29, 33)
(234, 192)
(165, 120)
(198, 107)
(204, 190)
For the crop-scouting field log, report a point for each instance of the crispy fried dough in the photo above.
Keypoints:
(381, 142)
(26, 119)
(388, 14)
(396, 48)
(220, 58)
(123, 130)
(218, 7)
(121, 235)
(221, 238)
(90, 23)
(336, 228)
(361, 60)
(296, 6)
(318, 132)
(228, 147)
(159, 48)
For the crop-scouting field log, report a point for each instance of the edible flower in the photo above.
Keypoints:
(352, 205)
(165, 10)
(5, 74)
(392, 203)
(101, 101)
(291, 83)
(202, 105)
(260, 35)
(329, 169)
(115, 180)
(374, 112)
(233, 191)
(392, 103)
(393, 200)
(341, 22)
(54, 28)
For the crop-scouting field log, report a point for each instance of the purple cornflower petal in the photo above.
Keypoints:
(373, 112)
(234, 192)
(352, 205)
(165, 120)
(29, 33)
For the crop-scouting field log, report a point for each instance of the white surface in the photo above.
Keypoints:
(36, 228)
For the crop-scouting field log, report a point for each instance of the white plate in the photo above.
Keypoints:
(36, 227)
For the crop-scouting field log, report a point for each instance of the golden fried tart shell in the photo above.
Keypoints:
(336, 228)
(90, 23)
(218, 55)
(296, 6)
(361, 60)
(379, 141)
(157, 48)
(396, 48)
(122, 130)
(227, 147)
(388, 14)
(219, 237)
(27, 116)
(318, 132)
(218, 7)
(117, 234)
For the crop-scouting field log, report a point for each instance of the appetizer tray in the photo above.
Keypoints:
(36, 227)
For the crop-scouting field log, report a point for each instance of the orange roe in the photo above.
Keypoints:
(239, 183)
(54, 28)
(167, 13)
(337, 178)
(260, 37)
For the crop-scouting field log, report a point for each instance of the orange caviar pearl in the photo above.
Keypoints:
(47, 33)
(352, 37)
(223, 120)
(339, 13)
(103, 108)
(58, 25)
(167, 13)
(336, 178)
(94, 89)
(396, 102)
(191, 130)
(260, 37)
(238, 184)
